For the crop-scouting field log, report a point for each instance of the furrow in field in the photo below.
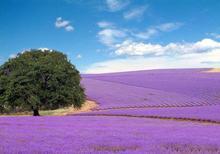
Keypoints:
(148, 107)
(154, 117)
(202, 112)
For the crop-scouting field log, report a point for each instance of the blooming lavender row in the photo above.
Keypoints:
(105, 135)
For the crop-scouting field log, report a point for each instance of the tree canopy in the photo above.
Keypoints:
(39, 79)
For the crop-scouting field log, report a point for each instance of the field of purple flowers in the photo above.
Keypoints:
(105, 135)
(183, 93)
(158, 112)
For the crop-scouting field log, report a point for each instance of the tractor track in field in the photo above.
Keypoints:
(194, 120)
(150, 107)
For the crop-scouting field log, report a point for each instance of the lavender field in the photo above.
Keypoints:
(87, 134)
(158, 112)
(183, 93)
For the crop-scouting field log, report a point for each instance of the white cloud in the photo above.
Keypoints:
(105, 24)
(116, 5)
(79, 56)
(13, 56)
(60, 23)
(110, 36)
(69, 28)
(45, 49)
(200, 54)
(135, 13)
(146, 34)
(198, 60)
(154, 30)
(215, 35)
(169, 26)
(139, 48)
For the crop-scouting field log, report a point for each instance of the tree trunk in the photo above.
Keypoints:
(35, 111)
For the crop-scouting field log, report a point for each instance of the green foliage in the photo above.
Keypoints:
(39, 79)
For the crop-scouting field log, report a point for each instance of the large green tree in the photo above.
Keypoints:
(39, 79)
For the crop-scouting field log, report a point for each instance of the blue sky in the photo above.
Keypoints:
(115, 35)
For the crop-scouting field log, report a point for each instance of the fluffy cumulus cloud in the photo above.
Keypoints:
(110, 36)
(200, 54)
(116, 5)
(135, 13)
(139, 49)
(60, 23)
